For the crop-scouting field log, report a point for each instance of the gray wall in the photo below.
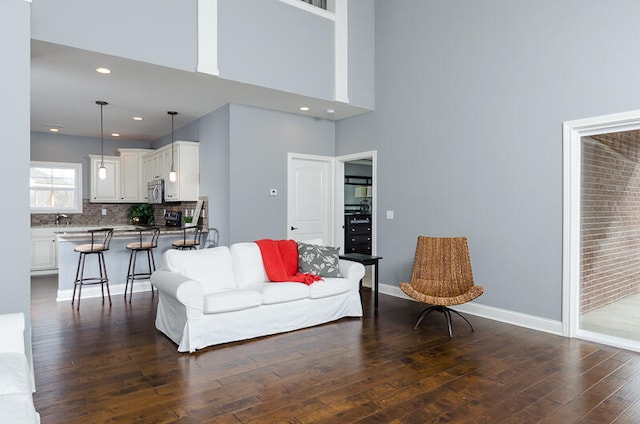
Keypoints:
(214, 169)
(163, 32)
(259, 142)
(273, 44)
(66, 148)
(15, 283)
(470, 98)
(361, 62)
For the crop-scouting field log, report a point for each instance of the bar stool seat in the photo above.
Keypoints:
(188, 242)
(100, 239)
(147, 241)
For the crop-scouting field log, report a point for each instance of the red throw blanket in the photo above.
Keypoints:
(280, 259)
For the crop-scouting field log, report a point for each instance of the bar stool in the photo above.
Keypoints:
(148, 240)
(188, 243)
(100, 239)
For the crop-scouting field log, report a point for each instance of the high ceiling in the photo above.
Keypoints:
(65, 88)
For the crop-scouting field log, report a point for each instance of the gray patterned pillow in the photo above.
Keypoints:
(318, 260)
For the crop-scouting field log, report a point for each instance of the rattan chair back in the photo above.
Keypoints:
(442, 266)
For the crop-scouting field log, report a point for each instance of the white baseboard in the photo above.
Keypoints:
(503, 315)
(94, 291)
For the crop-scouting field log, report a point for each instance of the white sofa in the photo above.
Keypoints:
(222, 294)
(16, 383)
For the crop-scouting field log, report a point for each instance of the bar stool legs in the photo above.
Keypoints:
(132, 275)
(100, 239)
(103, 279)
(147, 241)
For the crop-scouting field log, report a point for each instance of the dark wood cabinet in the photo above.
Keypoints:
(357, 233)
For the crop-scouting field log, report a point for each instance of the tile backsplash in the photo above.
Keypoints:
(116, 214)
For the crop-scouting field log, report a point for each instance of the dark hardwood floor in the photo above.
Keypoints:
(111, 365)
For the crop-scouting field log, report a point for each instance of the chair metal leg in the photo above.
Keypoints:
(447, 314)
(129, 273)
(75, 282)
(423, 314)
(463, 317)
(104, 275)
(152, 266)
(81, 265)
(132, 275)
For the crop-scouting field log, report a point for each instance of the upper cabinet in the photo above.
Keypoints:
(133, 186)
(107, 190)
(124, 182)
(185, 160)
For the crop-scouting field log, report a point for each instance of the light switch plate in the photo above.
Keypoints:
(389, 214)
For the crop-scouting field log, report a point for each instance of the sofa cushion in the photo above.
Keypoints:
(14, 373)
(283, 292)
(247, 264)
(318, 260)
(231, 300)
(329, 287)
(211, 267)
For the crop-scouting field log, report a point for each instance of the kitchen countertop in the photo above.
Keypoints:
(68, 232)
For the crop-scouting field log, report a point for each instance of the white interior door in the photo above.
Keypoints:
(310, 197)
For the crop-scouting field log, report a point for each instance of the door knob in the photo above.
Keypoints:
(294, 228)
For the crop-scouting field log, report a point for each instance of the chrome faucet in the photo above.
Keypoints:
(60, 215)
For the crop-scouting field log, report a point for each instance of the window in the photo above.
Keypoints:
(322, 4)
(55, 187)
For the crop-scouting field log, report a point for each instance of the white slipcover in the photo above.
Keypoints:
(16, 385)
(208, 298)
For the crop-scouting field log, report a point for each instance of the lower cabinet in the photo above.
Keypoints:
(44, 251)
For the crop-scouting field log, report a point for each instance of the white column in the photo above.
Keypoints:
(208, 37)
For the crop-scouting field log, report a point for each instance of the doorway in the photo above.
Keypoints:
(601, 282)
(356, 202)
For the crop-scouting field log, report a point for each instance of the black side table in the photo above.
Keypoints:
(366, 260)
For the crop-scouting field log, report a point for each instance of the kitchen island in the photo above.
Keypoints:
(116, 259)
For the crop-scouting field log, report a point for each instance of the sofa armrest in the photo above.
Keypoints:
(12, 332)
(352, 271)
(179, 287)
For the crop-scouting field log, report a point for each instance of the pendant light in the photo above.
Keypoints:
(102, 171)
(172, 173)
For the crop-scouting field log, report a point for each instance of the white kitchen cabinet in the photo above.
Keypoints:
(133, 185)
(44, 251)
(187, 165)
(107, 190)
(152, 166)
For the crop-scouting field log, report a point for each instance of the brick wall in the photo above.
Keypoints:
(610, 223)
(116, 214)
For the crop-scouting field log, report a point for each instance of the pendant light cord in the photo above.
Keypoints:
(172, 139)
(101, 137)
(173, 114)
(102, 104)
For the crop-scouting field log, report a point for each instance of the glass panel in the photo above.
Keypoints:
(55, 187)
(610, 235)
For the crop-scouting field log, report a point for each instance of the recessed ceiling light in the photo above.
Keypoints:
(54, 129)
(115, 134)
(331, 111)
(102, 70)
(305, 108)
(137, 118)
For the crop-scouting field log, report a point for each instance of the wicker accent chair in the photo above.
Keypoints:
(442, 277)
